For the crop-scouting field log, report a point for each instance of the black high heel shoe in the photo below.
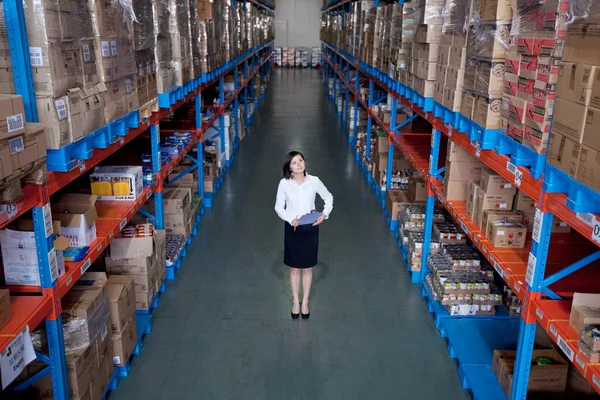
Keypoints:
(304, 316)
(295, 316)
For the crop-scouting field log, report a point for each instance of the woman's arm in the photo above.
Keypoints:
(280, 205)
(326, 196)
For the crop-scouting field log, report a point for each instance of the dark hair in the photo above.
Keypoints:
(287, 172)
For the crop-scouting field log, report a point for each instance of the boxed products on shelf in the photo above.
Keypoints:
(461, 167)
(123, 183)
(135, 252)
(77, 215)
(122, 301)
(547, 376)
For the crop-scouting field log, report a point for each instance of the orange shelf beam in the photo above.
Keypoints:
(26, 310)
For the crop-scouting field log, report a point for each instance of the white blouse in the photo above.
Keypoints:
(294, 200)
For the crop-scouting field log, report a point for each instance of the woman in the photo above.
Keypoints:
(295, 198)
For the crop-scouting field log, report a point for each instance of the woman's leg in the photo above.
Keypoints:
(295, 284)
(306, 283)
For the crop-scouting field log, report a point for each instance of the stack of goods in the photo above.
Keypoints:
(451, 58)
(173, 248)
(397, 45)
(88, 344)
(422, 63)
(511, 301)
(368, 35)
(288, 60)
(585, 320)
(355, 26)
(177, 206)
(411, 226)
(461, 167)
(122, 302)
(138, 251)
(315, 57)
(532, 71)
(213, 138)
(356, 117)
(117, 183)
(547, 375)
(277, 56)
(301, 57)
(574, 144)
(460, 279)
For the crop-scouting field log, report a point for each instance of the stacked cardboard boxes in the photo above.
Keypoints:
(532, 69)
(122, 301)
(135, 252)
(461, 167)
(574, 144)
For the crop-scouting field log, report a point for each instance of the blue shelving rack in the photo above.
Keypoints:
(556, 195)
(32, 310)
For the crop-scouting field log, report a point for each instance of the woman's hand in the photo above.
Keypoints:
(295, 223)
(320, 220)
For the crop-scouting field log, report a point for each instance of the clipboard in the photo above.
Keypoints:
(309, 218)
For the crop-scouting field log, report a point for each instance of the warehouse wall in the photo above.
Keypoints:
(297, 23)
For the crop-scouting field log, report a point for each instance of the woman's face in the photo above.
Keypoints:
(297, 165)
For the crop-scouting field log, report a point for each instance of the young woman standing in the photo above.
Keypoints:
(296, 197)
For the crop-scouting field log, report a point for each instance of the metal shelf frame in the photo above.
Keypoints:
(526, 271)
(31, 310)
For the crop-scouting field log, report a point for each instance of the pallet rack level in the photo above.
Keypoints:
(30, 310)
(528, 272)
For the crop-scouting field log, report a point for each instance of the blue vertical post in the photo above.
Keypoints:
(390, 163)
(19, 55)
(536, 268)
(222, 117)
(200, 150)
(433, 167)
(369, 120)
(236, 104)
(245, 90)
(346, 105)
(54, 331)
(357, 93)
(156, 165)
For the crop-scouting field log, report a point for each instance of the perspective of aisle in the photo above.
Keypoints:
(223, 330)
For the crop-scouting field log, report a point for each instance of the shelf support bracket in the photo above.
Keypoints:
(397, 128)
(148, 215)
(576, 266)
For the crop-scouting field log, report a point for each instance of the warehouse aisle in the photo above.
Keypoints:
(223, 329)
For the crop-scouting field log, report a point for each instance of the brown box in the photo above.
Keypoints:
(53, 113)
(490, 216)
(456, 153)
(529, 220)
(124, 343)
(5, 308)
(455, 78)
(493, 183)
(394, 199)
(178, 220)
(467, 105)
(489, 77)
(507, 234)
(486, 112)
(103, 344)
(455, 190)
(591, 136)
(428, 34)
(417, 190)
(463, 171)
(568, 156)
(523, 202)
(581, 43)
(471, 200)
(589, 168)
(20, 151)
(457, 57)
(452, 99)
(585, 311)
(438, 92)
(12, 115)
(569, 119)
(494, 10)
(494, 201)
(575, 82)
(595, 91)
(121, 297)
(544, 380)
(443, 55)
(175, 201)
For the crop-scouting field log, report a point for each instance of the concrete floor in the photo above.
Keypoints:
(223, 329)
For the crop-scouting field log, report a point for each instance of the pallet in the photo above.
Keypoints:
(144, 325)
(10, 186)
(580, 198)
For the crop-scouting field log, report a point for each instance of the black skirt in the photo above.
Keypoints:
(301, 246)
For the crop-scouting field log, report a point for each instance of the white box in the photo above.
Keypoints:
(122, 183)
(19, 256)
(77, 215)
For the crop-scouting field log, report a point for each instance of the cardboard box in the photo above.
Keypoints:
(575, 82)
(507, 234)
(417, 190)
(471, 206)
(589, 168)
(456, 153)
(428, 34)
(595, 91)
(438, 94)
(452, 99)
(585, 311)
(529, 220)
(463, 171)
(394, 199)
(124, 343)
(12, 115)
(455, 190)
(581, 43)
(489, 216)
(568, 156)
(523, 202)
(494, 10)
(121, 297)
(467, 105)
(455, 78)
(103, 344)
(143, 300)
(205, 9)
(493, 183)
(486, 112)
(53, 113)
(489, 77)
(178, 220)
(117, 183)
(457, 57)
(20, 151)
(569, 119)
(175, 201)
(5, 310)
(77, 215)
(443, 56)
(492, 202)
(591, 138)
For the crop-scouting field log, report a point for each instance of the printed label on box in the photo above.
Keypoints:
(61, 109)
(16, 145)
(35, 57)
(15, 122)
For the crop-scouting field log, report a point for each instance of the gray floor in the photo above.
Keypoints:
(223, 329)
